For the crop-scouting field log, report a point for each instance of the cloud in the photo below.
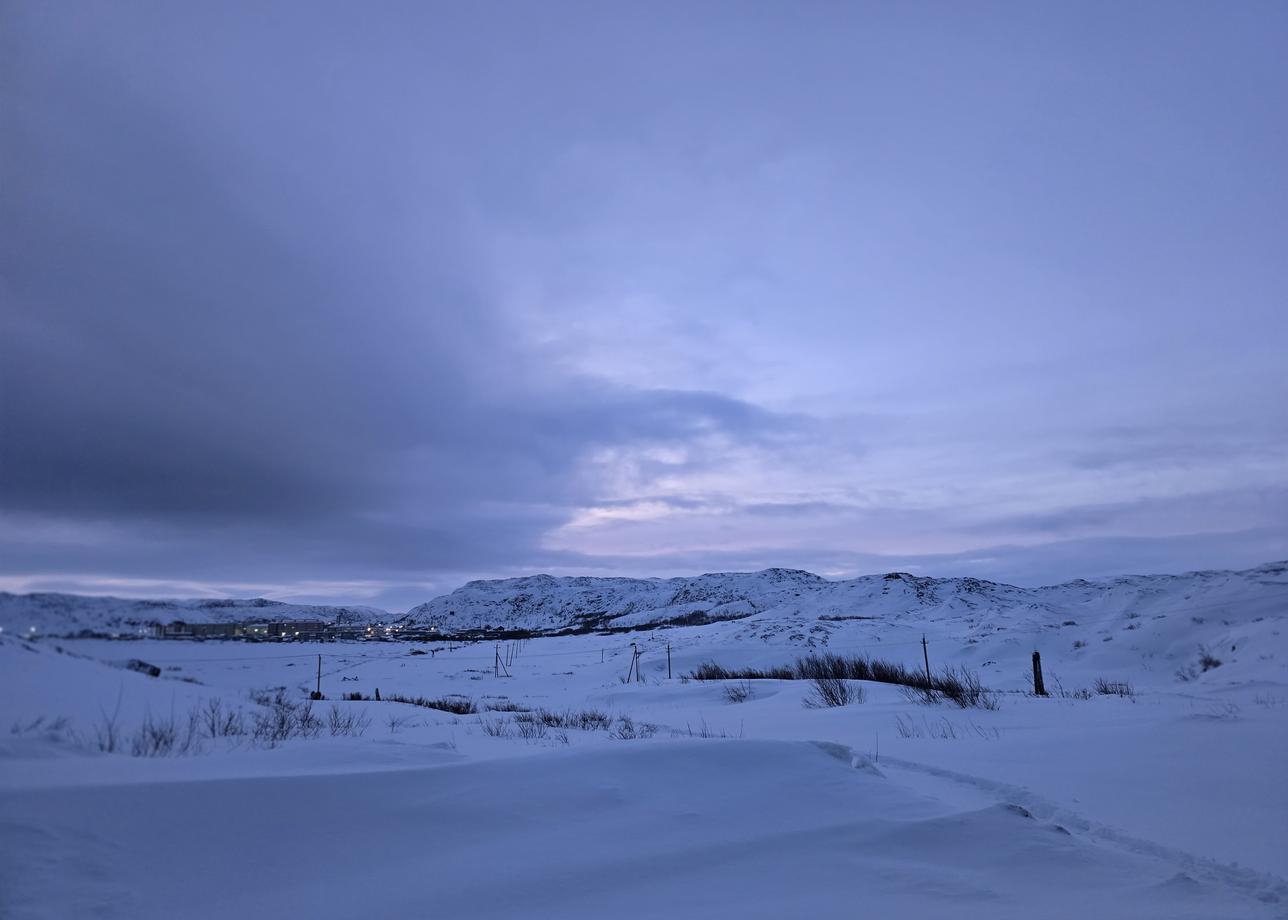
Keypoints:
(323, 300)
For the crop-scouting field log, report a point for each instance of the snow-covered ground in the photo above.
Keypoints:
(1170, 802)
(67, 614)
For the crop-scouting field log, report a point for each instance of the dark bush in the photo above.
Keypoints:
(711, 671)
(959, 685)
(833, 691)
(1114, 688)
(457, 705)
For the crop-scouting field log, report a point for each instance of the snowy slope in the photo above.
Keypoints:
(641, 830)
(1165, 803)
(66, 614)
(797, 605)
(543, 603)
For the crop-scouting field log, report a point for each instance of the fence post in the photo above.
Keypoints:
(1039, 689)
(926, 655)
(668, 661)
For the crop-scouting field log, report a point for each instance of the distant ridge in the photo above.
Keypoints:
(67, 614)
(547, 603)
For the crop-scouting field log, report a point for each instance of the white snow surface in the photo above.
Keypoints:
(773, 599)
(68, 614)
(1170, 802)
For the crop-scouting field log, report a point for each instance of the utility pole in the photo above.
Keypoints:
(926, 655)
(1039, 688)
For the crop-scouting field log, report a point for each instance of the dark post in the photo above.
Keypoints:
(668, 661)
(926, 655)
(1039, 689)
(317, 694)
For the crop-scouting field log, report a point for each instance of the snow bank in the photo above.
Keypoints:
(687, 829)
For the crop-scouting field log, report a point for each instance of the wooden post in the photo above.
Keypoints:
(1039, 689)
(317, 694)
(668, 661)
(496, 663)
(926, 655)
(634, 655)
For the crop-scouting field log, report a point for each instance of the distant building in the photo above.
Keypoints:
(304, 630)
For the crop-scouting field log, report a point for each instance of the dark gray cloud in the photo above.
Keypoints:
(249, 372)
(338, 300)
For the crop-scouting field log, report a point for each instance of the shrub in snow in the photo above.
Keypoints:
(1207, 661)
(219, 722)
(347, 722)
(833, 691)
(161, 737)
(1114, 688)
(703, 731)
(628, 729)
(959, 685)
(495, 728)
(709, 670)
(457, 705)
(529, 726)
(397, 723)
(584, 719)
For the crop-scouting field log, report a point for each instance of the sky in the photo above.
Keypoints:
(350, 302)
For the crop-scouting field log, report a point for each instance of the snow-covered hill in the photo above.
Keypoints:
(67, 614)
(1156, 797)
(782, 606)
(780, 597)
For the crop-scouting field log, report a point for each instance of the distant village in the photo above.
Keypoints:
(293, 631)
